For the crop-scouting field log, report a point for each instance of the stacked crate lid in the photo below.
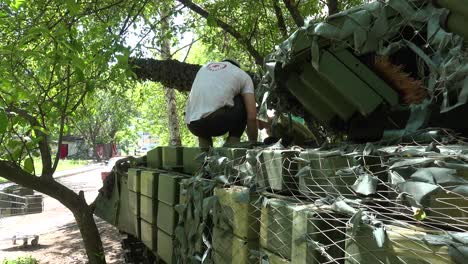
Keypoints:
(149, 207)
(133, 194)
(167, 218)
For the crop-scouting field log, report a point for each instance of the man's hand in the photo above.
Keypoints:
(251, 110)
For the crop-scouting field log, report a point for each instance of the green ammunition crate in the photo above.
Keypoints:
(191, 164)
(322, 179)
(172, 158)
(154, 158)
(401, 245)
(134, 202)
(134, 179)
(167, 218)
(149, 183)
(236, 155)
(148, 209)
(149, 235)
(168, 188)
(236, 212)
(128, 207)
(229, 248)
(278, 169)
(276, 226)
(321, 227)
(272, 258)
(166, 247)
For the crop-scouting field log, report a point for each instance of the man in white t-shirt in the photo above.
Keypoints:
(221, 101)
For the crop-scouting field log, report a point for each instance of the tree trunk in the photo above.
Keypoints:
(90, 234)
(74, 202)
(171, 104)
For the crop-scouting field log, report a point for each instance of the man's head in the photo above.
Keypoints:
(233, 62)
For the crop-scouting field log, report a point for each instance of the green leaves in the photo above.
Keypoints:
(29, 165)
(211, 21)
(17, 4)
(3, 121)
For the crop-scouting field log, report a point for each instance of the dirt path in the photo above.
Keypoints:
(60, 241)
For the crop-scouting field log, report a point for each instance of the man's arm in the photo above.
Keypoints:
(251, 110)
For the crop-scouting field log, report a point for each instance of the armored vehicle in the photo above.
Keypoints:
(383, 87)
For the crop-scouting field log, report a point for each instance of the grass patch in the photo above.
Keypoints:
(62, 165)
(21, 260)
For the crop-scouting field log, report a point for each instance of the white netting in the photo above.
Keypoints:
(359, 204)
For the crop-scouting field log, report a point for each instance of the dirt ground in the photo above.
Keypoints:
(59, 238)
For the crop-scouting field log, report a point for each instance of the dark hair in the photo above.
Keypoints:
(233, 62)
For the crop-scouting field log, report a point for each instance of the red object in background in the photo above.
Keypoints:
(63, 151)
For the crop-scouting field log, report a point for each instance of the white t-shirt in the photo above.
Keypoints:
(215, 86)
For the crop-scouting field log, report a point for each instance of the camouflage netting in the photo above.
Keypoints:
(353, 204)
(393, 28)
(371, 203)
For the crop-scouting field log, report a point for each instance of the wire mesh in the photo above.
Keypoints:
(342, 205)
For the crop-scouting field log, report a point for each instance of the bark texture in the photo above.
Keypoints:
(293, 9)
(170, 73)
(169, 93)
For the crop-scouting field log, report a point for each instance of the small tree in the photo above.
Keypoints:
(52, 55)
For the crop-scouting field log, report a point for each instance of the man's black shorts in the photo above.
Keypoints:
(232, 119)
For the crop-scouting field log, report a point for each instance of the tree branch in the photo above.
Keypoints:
(332, 7)
(170, 73)
(228, 28)
(280, 19)
(47, 171)
(294, 11)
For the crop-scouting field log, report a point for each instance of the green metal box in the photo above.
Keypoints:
(168, 188)
(322, 179)
(134, 179)
(134, 202)
(191, 164)
(278, 169)
(276, 226)
(149, 235)
(167, 218)
(322, 228)
(236, 155)
(149, 183)
(154, 158)
(402, 245)
(228, 248)
(236, 212)
(128, 207)
(166, 247)
(148, 209)
(172, 158)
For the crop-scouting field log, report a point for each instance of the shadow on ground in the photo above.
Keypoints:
(66, 246)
